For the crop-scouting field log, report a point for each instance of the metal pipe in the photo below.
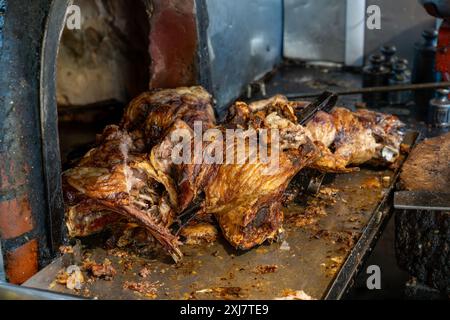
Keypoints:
(409, 87)
(13, 292)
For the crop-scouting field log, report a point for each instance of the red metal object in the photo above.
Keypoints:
(443, 52)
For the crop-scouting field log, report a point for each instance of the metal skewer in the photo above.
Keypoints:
(325, 102)
(410, 87)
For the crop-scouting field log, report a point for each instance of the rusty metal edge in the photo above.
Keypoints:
(13, 292)
(49, 121)
(368, 239)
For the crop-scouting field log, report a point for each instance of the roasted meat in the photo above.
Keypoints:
(247, 202)
(345, 138)
(237, 180)
(246, 199)
(244, 189)
(111, 182)
(150, 115)
(199, 232)
(130, 174)
(348, 138)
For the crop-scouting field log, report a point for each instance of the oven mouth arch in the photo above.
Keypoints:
(51, 163)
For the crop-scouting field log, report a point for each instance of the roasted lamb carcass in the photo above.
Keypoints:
(246, 199)
(348, 138)
(150, 115)
(345, 138)
(111, 183)
(129, 174)
(245, 191)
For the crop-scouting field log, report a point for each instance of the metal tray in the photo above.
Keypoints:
(326, 248)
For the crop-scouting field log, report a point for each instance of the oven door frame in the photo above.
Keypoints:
(49, 121)
(30, 166)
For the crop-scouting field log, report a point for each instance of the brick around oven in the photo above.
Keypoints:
(22, 263)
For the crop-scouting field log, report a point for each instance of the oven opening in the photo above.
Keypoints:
(100, 68)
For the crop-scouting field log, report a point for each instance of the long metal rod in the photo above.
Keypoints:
(410, 87)
(422, 200)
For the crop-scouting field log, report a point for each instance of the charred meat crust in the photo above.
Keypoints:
(130, 174)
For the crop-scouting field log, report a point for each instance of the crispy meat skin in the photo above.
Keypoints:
(150, 115)
(247, 199)
(348, 138)
(344, 137)
(247, 202)
(199, 232)
(130, 174)
(110, 179)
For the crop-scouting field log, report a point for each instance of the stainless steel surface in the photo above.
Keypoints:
(244, 40)
(327, 238)
(12, 292)
(422, 200)
(313, 80)
(315, 30)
